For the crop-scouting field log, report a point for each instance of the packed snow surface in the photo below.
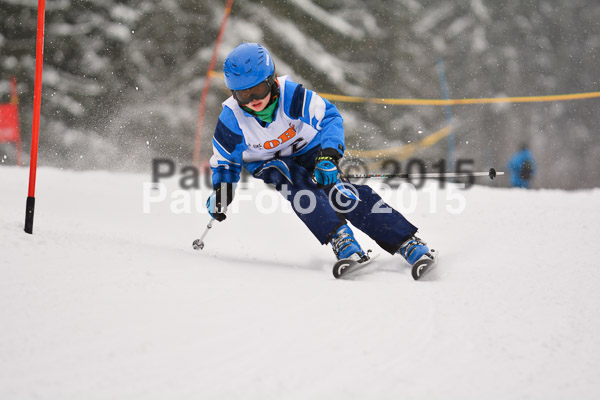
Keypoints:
(107, 299)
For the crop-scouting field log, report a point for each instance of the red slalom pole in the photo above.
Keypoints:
(211, 67)
(37, 106)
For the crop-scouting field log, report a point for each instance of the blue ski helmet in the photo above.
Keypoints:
(247, 65)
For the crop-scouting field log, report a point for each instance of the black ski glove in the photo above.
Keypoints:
(219, 200)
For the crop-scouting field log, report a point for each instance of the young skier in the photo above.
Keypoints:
(292, 138)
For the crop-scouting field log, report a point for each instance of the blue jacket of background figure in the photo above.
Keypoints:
(515, 165)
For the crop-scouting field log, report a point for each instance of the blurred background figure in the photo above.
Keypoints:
(521, 167)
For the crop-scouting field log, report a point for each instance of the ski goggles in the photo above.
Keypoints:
(257, 92)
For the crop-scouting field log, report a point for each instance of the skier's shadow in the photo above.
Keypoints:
(394, 265)
(314, 264)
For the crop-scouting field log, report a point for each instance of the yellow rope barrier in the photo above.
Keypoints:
(449, 102)
(403, 151)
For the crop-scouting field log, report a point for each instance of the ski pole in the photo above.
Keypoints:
(491, 173)
(198, 244)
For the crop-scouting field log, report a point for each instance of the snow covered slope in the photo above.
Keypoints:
(106, 301)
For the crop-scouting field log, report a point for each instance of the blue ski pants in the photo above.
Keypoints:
(324, 210)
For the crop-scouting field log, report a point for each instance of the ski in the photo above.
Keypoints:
(424, 265)
(347, 266)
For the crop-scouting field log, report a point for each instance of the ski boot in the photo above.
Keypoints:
(345, 245)
(417, 254)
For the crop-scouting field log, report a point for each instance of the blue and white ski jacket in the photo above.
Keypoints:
(303, 120)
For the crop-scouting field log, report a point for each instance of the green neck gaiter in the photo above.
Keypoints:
(266, 115)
